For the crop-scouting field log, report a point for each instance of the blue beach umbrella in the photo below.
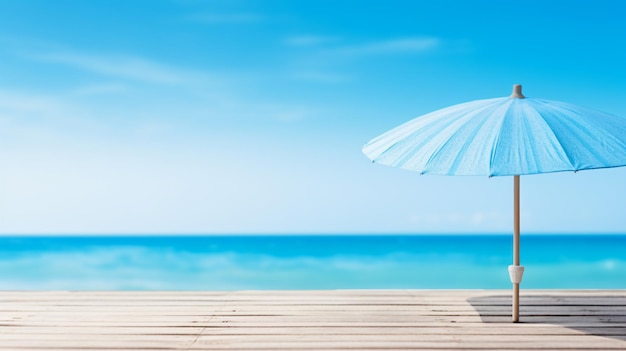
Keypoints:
(509, 136)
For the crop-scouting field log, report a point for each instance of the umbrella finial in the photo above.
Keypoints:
(517, 92)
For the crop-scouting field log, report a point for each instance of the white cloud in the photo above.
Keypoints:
(467, 220)
(100, 89)
(32, 117)
(320, 76)
(226, 18)
(124, 66)
(392, 46)
(323, 55)
(407, 45)
(309, 40)
(13, 103)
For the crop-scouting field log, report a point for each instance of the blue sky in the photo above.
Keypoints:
(249, 116)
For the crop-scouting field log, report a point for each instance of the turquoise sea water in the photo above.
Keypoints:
(309, 262)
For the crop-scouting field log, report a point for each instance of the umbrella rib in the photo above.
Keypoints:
(496, 141)
(618, 143)
(470, 116)
(556, 137)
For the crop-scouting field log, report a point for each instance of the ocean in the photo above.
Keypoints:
(236, 262)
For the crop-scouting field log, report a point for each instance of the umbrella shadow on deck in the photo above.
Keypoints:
(593, 314)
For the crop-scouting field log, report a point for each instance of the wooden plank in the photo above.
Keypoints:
(362, 318)
(294, 344)
(309, 330)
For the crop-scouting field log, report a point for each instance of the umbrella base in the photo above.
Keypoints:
(516, 273)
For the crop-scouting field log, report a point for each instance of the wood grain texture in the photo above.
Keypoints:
(311, 320)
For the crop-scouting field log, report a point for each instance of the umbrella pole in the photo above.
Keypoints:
(515, 270)
(516, 246)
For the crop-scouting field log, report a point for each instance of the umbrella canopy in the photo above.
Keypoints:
(509, 136)
(504, 136)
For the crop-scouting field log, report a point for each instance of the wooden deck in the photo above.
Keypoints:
(311, 320)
